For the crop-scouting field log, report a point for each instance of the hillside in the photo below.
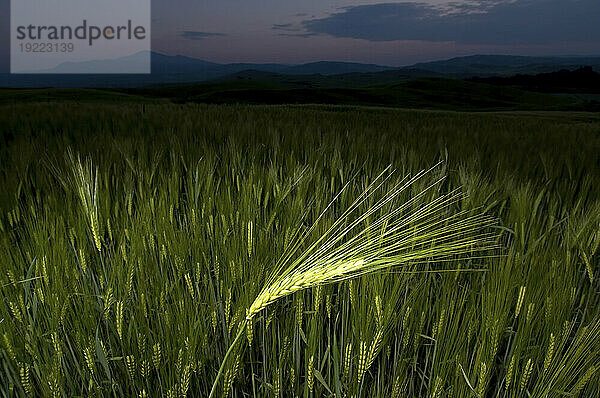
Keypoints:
(582, 80)
(426, 93)
(505, 65)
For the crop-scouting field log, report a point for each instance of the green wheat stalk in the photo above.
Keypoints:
(410, 232)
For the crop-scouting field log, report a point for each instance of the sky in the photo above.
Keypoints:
(367, 31)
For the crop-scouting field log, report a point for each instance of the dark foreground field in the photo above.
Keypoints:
(135, 238)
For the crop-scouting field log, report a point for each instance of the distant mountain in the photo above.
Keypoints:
(505, 65)
(178, 64)
(167, 64)
(167, 69)
(175, 70)
(160, 64)
(135, 63)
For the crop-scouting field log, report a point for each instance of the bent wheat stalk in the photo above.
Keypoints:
(371, 235)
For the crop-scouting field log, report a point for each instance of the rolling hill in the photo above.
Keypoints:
(424, 93)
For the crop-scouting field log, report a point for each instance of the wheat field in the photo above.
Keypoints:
(171, 250)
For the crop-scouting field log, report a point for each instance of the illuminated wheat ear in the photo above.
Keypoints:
(413, 231)
(378, 231)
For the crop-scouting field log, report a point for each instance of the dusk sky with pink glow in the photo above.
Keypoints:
(394, 33)
(368, 31)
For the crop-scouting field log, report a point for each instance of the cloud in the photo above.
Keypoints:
(292, 30)
(473, 22)
(196, 35)
(307, 34)
(288, 27)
